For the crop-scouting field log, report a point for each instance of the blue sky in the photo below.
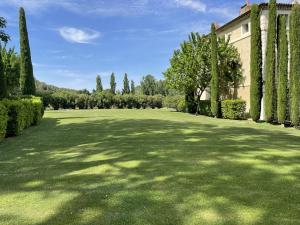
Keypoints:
(74, 40)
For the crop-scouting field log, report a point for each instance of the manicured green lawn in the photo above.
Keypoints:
(140, 167)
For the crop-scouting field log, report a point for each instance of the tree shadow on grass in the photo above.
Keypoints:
(147, 171)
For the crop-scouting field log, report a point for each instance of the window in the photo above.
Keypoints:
(245, 28)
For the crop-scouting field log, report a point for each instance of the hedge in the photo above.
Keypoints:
(233, 109)
(3, 120)
(101, 100)
(205, 108)
(22, 113)
(17, 117)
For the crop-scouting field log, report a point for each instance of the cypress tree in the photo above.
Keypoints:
(113, 84)
(27, 82)
(270, 64)
(3, 85)
(295, 64)
(99, 87)
(126, 88)
(132, 88)
(256, 64)
(214, 85)
(282, 70)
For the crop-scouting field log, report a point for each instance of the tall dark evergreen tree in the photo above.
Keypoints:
(270, 65)
(132, 88)
(113, 84)
(3, 84)
(214, 85)
(282, 70)
(99, 87)
(295, 64)
(126, 88)
(27, 82)
(256, 64)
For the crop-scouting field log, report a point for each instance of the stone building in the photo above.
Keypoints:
(239, 31)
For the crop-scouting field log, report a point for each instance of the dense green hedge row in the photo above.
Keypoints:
(3, 120)
(101, 100)
(19, 114)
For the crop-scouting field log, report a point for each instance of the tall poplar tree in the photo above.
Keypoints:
(295, 64)
(27, 82)
(214, 85)
(132, 88)
(126, 88)
(113, 84)
(282, 70)
(99, 87)
(270, 65)
(256, 64)
(3, 84)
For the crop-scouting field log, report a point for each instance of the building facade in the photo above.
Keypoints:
(239, 31)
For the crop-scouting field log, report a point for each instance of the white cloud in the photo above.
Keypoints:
(75, 35)
(192, 4)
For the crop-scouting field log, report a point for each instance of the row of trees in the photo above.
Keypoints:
(148, 86)
(16, 72)
(281, 93)
(205, 63)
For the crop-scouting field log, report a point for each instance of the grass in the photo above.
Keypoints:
(142, 167)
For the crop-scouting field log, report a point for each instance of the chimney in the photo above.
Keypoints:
(245, 8)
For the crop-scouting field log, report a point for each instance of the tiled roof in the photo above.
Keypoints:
(263, 6)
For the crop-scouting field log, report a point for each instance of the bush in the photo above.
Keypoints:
(28, 112)
(205, 108)
(17, 118)
(171, 102)
(181, 106)
(38, 110)
(233, 109)
(3, 120)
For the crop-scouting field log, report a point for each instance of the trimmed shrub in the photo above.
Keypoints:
(38, 110)
(233, 109)
(3, 120)
(28, 112)
(17, 118)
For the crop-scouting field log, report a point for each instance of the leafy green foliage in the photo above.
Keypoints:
(171, 102)
(3, 120)
(295, 64)
(270, 65)
(215, 76)
(126, 88)
(148, 85)
(190, 70)
(3, 85)
(256, 64)
(282, 98)
(99, 86)
(234, 109)
(3, 36)
(27, 82)
(11, 63)
(113, 84)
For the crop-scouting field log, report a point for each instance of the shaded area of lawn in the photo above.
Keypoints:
(149, 167)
